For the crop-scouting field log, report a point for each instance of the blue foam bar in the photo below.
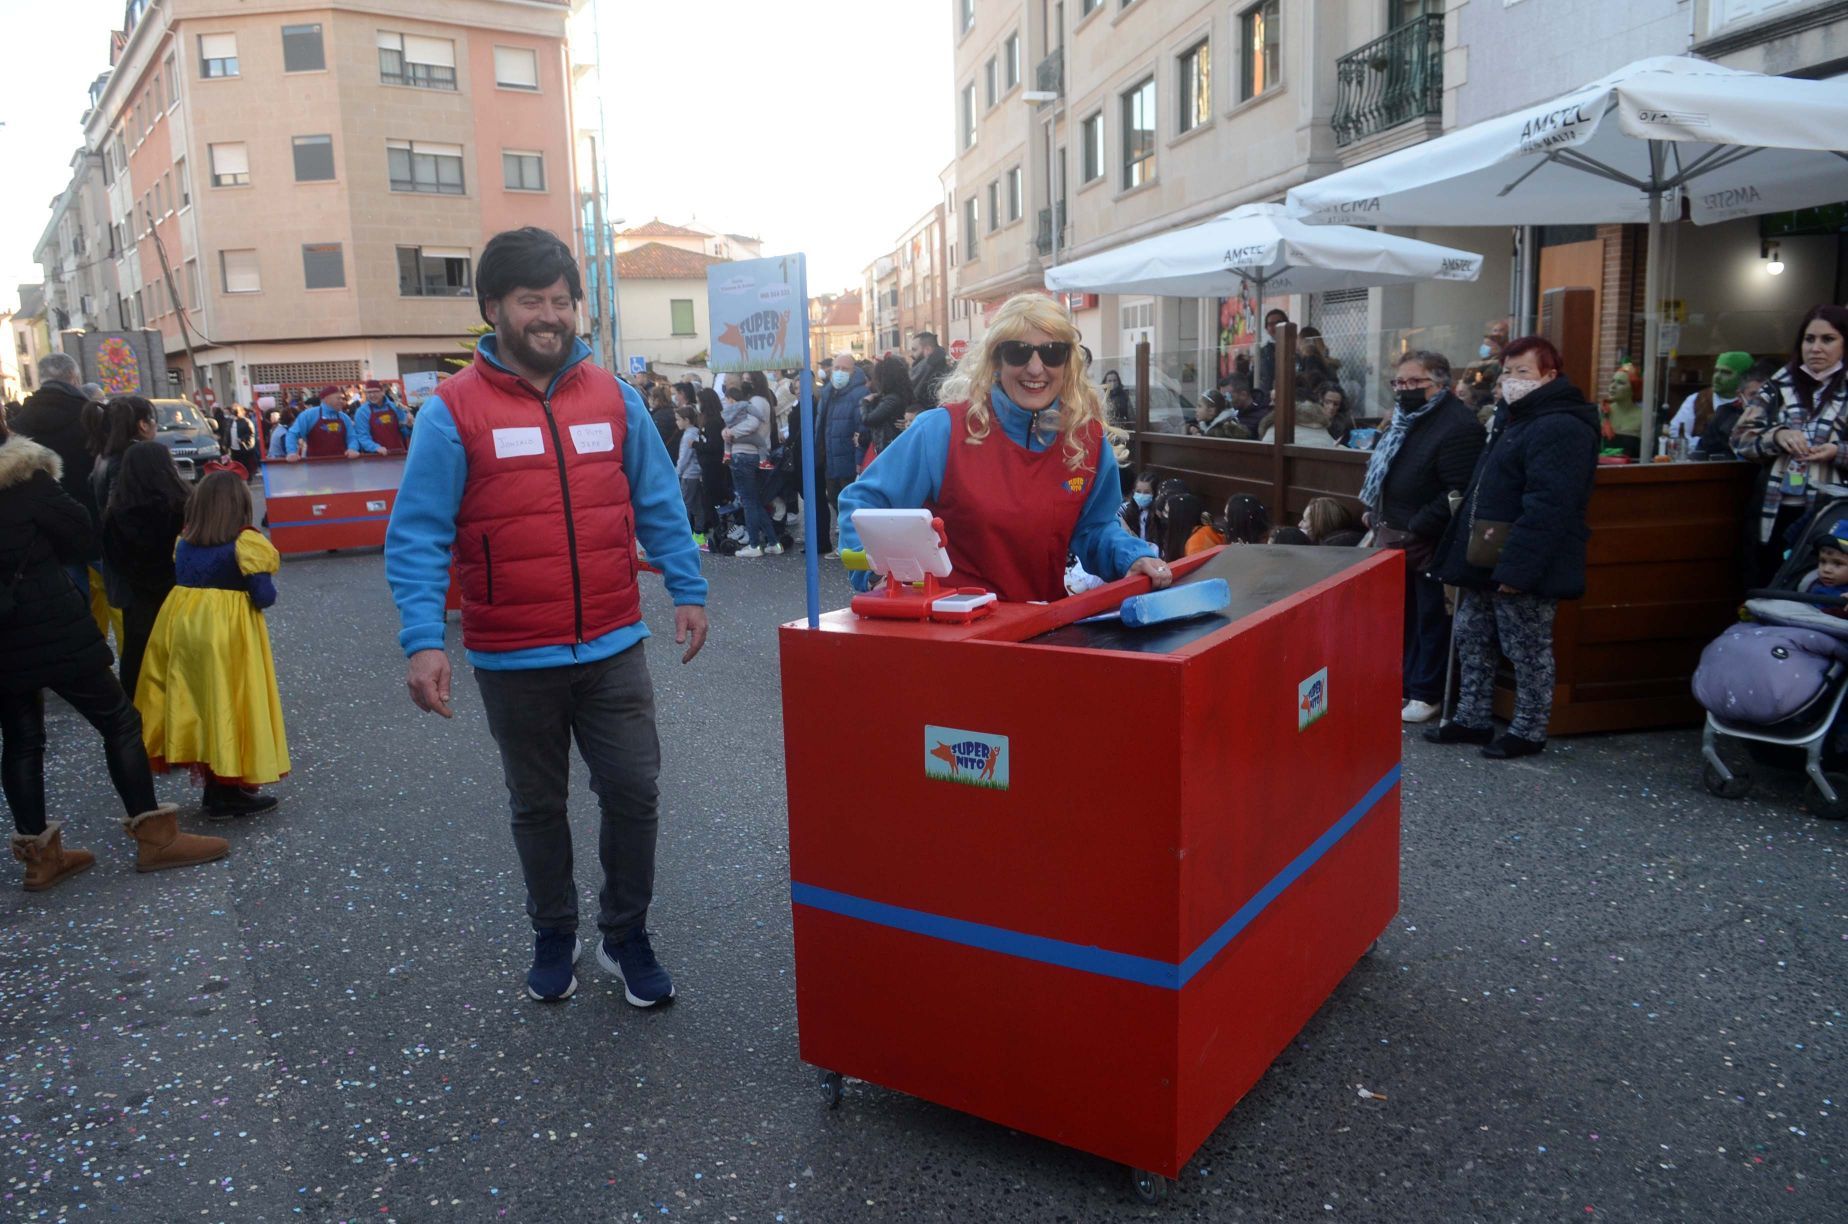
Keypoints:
(1175, 603)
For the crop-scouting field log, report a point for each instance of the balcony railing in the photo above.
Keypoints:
(1049, 77)
(1042, 240)
(1390, 80)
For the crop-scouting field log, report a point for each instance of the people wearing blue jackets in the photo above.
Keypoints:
(326, 431)
(540, 473)
(381, 423)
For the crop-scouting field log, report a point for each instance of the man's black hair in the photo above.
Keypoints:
(529, 258)
(927, 337)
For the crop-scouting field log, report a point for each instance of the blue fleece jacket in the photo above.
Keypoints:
(423, 527)
(909, 473)
(298, 432)
(362, 424)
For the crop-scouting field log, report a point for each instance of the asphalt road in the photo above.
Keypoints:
(1607, 996)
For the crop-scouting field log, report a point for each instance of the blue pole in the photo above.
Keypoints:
(811, 549)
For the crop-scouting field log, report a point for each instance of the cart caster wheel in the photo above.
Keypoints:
(1736, 787)
(1150, 1189)
(1818, 806)
(831, 1089)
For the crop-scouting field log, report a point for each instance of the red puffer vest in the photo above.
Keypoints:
(545, 538)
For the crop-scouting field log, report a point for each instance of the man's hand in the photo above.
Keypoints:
(296, 457)
(689, 628)
(428, 679)
(1505, 589)
(1159, 574)
(352, 454)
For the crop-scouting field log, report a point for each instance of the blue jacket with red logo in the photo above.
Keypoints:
(909, 474)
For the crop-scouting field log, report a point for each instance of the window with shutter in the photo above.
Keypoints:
(217, 55)
(516, 68)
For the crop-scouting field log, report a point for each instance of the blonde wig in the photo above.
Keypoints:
(977, 373)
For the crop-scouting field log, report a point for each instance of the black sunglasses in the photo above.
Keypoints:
(1019, 353)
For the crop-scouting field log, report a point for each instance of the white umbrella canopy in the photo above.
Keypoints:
(1622, 149)
(1265, 246)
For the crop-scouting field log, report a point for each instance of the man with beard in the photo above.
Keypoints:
(929, 367)
(543, 472)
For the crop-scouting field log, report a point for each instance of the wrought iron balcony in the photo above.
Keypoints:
(1050, 75)
(1042, 240)
(1390, 80)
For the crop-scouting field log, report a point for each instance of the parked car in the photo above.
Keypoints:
(188, 433)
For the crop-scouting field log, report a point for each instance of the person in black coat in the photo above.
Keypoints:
(882, 413)
(47, 640)
(1425, 454)
(141, 523)
(1517, 547)
(929, 367)
(52, 416)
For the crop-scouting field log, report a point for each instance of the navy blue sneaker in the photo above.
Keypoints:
(644, 982)
(550, 980)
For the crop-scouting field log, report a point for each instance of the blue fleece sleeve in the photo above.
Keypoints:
(906, 475)
(304, 421)
(654, 495)
(362, 435)
(1101, 542)
(423, 527)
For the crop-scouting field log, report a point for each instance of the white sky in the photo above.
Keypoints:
(819, 125)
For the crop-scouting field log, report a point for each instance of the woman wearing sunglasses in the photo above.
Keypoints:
(1014, 464)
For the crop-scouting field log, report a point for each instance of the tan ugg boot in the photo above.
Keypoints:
(162, 845)
(47, 861)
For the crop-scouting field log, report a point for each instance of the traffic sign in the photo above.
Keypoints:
(957, 349)
(638, 365)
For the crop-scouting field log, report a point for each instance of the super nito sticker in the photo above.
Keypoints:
(970, 758)
(1311, 699)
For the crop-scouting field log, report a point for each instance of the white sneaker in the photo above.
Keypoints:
(749, 551)
(1419, 711)
(833, 554)
(775, 550)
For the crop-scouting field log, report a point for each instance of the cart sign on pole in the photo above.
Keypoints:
(759, 314)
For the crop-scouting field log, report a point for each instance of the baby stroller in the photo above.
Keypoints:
(1777, 681)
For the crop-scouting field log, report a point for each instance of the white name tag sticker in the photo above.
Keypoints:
(513, 443)
(591, 439)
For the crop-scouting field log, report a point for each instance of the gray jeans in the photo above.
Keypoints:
(1523, 627)
(609, 707)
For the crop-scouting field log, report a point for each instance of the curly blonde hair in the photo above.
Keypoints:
(976, 374)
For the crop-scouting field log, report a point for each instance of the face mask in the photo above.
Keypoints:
(840, 379)
(1410, 399)
(1145, 500)
(1725, 384)
(1513, 389)
(1485, 351)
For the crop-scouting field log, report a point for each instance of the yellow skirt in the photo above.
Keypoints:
(207, 692)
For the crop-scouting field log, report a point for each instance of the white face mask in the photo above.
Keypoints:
(1513, 389)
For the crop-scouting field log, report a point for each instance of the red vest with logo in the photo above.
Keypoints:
(328, 439)
(1009, 512)
(545, 537)
(386, 431)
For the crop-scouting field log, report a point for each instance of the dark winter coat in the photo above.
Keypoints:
(882, 418)
(52, 416)
(49, 637)
(839, 417)
(138, 546)
(926, 375)
(1438, 455)
(1536, 473)
(668, 428)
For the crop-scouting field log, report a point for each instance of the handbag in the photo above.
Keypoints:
(1487, 538)
(1420, 553)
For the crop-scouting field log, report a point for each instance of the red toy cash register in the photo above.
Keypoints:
(907, 548)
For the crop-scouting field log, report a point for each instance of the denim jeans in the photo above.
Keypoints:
(99, 698)
(748, 478)
(608, 707)
(1427, 638)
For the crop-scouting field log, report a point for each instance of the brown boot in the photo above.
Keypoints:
(47, 861)
(162, 845)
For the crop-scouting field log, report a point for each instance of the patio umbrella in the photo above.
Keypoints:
(1264, 246)
(1622, 149)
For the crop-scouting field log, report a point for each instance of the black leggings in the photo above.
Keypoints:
(99, 698)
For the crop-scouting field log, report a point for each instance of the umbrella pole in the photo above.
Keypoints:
(1652, 303)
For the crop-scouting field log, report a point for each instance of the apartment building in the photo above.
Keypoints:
(299, 190)
(77, 251)
(1084, 124)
